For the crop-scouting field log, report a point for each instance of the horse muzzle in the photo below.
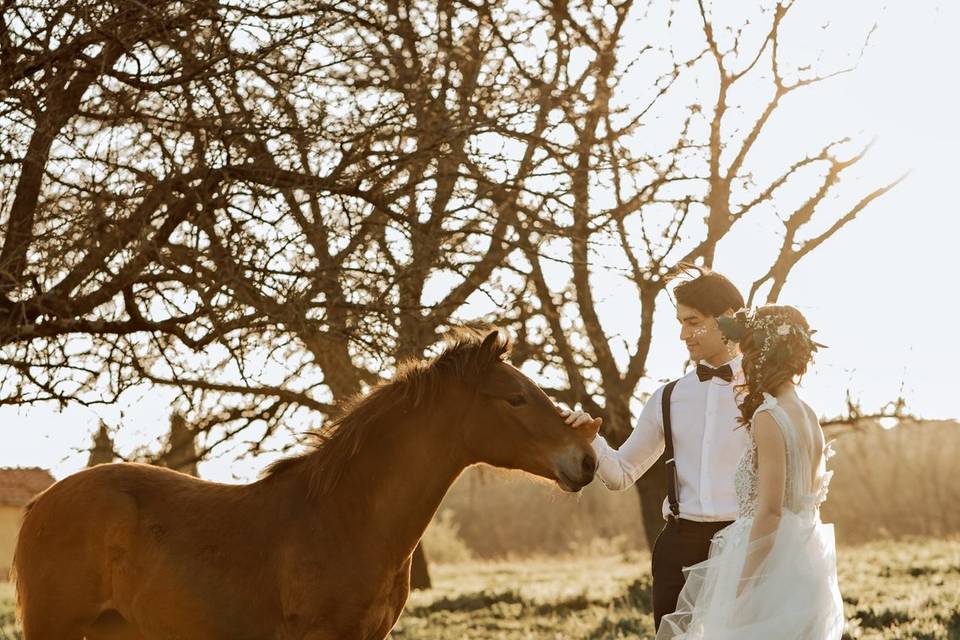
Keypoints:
(574, 469)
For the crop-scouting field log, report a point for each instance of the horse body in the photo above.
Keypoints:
(316, 550)
(157, 547)
(163, 552)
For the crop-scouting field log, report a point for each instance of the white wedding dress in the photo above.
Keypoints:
(793, 595)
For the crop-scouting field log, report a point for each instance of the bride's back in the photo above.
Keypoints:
(807, 441)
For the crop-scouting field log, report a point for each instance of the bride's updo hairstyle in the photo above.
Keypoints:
(777, 346)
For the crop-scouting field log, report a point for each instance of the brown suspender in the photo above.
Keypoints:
(672, 487)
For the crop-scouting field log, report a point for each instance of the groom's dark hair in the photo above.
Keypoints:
(709, 292)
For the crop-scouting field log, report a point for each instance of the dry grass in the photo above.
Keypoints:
(908, 589)
(887, 483)
(6, 611)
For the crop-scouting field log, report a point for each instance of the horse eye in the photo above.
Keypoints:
(517, 400)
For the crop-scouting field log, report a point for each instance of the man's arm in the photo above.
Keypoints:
(618, 469)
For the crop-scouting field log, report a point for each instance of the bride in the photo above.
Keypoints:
(772, 573)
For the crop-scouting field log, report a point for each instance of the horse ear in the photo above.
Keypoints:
(494, 345)
(490, 341)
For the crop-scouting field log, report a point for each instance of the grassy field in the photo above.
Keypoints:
(890, 590)
(6, 612)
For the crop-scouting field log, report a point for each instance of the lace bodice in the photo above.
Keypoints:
(798, 495)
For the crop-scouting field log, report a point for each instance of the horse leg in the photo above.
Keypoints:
(50, 628)
(68, 548)
(112, 626)
(129, 633)
(50, 611)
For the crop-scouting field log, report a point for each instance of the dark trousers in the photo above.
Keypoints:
(681, 543)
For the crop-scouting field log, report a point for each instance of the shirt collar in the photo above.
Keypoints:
(736, 363)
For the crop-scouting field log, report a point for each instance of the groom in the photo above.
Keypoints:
(705, 446)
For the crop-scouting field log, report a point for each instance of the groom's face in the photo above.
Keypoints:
(700, 333)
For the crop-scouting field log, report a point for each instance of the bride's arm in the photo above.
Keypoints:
(771, 478)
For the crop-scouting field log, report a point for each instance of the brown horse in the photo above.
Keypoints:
(319, 548)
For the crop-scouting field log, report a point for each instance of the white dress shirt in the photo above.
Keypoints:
(707, 445)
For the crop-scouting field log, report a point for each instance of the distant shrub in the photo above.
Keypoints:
(896, 483)
(443, 542)
(502, 514)
(887, 484)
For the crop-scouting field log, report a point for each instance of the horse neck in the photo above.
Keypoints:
(396, 482)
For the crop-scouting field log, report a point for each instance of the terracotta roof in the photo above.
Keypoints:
(17, 486)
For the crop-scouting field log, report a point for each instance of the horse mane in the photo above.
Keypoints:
(467, 354)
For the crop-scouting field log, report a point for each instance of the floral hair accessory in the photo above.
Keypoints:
(766, 328)
(735, 328)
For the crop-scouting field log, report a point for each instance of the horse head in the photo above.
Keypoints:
(510, 422)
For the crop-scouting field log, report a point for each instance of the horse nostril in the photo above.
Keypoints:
(588, 465)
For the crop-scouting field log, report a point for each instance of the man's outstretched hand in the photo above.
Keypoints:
(581, 421)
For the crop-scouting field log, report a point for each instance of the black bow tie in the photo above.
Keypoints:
(705, 373)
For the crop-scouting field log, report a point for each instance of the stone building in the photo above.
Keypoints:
(181, 450)
(102, 451)
(17, 487)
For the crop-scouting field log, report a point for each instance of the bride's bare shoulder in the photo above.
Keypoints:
(814, 421)
(810, 413)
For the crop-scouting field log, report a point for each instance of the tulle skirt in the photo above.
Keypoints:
(789, 589)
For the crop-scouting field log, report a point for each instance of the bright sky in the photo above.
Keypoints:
(882, 292)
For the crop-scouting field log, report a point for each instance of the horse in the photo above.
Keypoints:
(319, 547)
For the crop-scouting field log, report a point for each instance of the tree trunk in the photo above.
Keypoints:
(419, 573)
(651, 490)
(651, 487)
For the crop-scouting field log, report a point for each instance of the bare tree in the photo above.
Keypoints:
(260, 207)
(627, 209)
